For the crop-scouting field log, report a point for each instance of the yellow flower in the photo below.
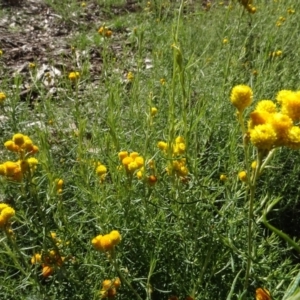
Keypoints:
(115, 237)
(223, 177)
(251, 9)
(104, 31)
(179, 140)
(32, 161)
(254, 165)
(241, 97)
(290, 104)
(278, 53)
(262, 294)
(263, 136)
(282, 19)
(126, 161)
(243, 176)
(225, 41)
(294, 138)
(2, 97)
(130, 76)
(101, 170)
(291, 11)
(102, 243)
(2, 169)
(134, 155)
(266, 106)
(74, 76)
(152, 179)
(153, 111)
(117, 282)
(18, 139)
(1, 52)
(106, 242)
(10, 168)
(83, 4)
(31, 65)
(11, 146)
(132, 166)
(6, 212)
(122, 155)
(36, 259)
(281, 124)
(59, 184)
(258, 118)
(162, 146)
(47, 271)
(108, 33)
(162, 81)
(3, 205)
(139, 174)
(139, 160)
(107, 284)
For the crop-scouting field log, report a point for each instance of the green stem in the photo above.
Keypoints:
(252, 187)
(268, 158)
(277, 231)
(123, 279)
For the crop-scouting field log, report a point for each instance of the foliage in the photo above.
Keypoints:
(124, 198)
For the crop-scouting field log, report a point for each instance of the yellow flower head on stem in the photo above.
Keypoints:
(243, 176)
(153, 111)
(223, 177)
(263, 136)
(241, 97)
(101, 170)
(73, 76)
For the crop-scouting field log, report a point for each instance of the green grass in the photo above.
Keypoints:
(179, 237)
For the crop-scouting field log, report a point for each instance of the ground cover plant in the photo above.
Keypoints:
(149, 149)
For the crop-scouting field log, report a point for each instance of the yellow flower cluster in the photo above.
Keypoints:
(107, 242)
(178, 165)
(104, 31)
(248, 5)
(50, 260)
(24, 146)
(241, 97)
(280, 21)
(73, 76)
(132, 162)
(109, 288)
(59, 185)
(6, 212)
(101, 171)
(277, 53)
(271, 126)
(130, 76)
(21, 144)
(149, 179)
(291, 11)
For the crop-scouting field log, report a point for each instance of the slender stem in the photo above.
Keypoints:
(123, 279)
(277, 231)
(252, 186)
(268, 158)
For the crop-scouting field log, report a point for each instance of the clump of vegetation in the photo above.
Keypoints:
(152, 154)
